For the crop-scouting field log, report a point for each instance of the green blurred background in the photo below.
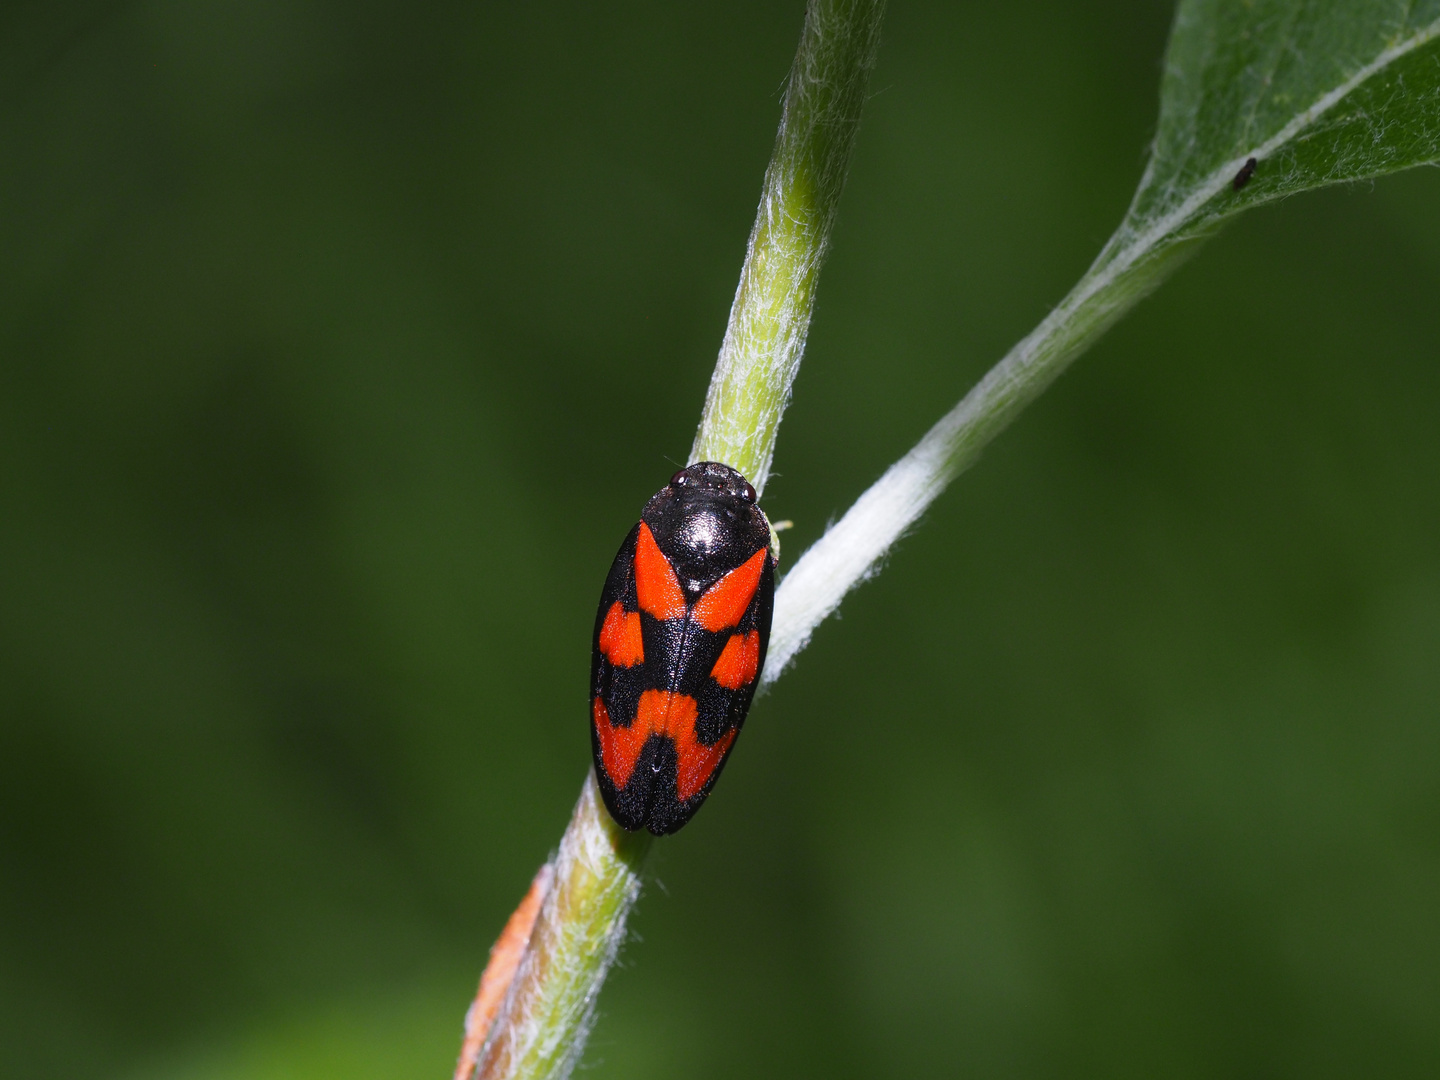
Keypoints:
(342, 342)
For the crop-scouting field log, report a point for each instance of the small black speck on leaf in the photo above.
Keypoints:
(1243, 176)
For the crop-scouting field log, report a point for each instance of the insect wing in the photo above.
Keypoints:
(728, 634)
(618, 679)
(671, 682)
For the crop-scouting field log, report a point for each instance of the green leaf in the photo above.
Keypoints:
(1317, 93)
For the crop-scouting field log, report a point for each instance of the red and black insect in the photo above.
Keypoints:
(679, 644)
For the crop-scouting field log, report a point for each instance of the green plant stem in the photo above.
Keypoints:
(851, 549)
(548, 1011)
(541, 1028)
(770, 316)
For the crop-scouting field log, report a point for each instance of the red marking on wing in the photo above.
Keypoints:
(724, 603)
(738, 661)
(660, 712)
(665, 712)
(698, 761)
(656, 586)
(620, 640)
(619, 746)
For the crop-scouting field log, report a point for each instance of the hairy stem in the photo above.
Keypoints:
(770, 317)
(851, 550)
(550, 1006)
(547, 1011)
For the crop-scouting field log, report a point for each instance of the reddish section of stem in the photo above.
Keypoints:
(505, 956)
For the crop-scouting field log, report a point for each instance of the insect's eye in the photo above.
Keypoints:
(749, 493)
(678, 480)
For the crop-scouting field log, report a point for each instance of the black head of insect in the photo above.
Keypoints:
(706, 521)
